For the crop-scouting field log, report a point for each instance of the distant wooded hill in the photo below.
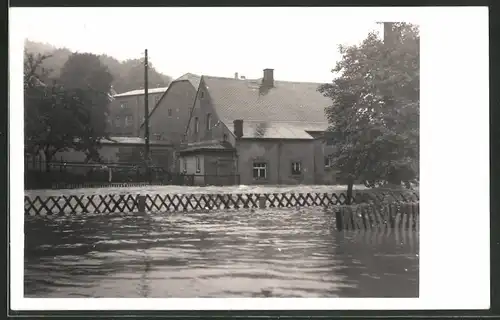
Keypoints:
(127, 75)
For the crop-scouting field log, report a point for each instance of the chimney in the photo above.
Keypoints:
(238, 128)
(236, 75)
(268, 79)
(388, 33)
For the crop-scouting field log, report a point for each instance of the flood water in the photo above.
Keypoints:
(243, 253)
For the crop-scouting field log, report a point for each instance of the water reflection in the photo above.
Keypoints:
(278, 253)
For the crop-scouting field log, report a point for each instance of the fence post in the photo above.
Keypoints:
(141, 203)
(338, 219)
(262, 202)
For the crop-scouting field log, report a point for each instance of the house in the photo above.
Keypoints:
(263, 131)
(126, 111)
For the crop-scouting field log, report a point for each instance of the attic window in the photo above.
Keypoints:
(224, 137)
(196, 125)
(209, 121)
(202, 94)
(169, 112)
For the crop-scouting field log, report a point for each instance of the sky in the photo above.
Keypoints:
(300, 44)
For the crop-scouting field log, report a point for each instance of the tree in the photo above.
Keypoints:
(124, 78)
(89, 81)
(375, 109)
(50, 113)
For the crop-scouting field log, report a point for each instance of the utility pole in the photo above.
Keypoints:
(146, 109)
(146, 116)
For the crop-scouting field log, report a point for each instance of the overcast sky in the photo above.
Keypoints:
(299, 43)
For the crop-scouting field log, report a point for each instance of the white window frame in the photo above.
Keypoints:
(296, 168)
(123, 105)
(198, 164)
(196, 125)
(260, 166)
(184, 164)
(127, 122)
(209, 121)
(329, 161)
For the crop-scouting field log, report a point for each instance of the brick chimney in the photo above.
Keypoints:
(238, 128)
(268, 79)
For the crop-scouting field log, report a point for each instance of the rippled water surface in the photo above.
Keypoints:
(244, 253)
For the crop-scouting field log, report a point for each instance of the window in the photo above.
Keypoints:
(169, 112)
(260, 170)
(184, 165)
(327, 161)
(196, 125)
(202, 94)
(296, 168)
(209, 121)
(128, 121)
(123, 105)
(198, 165)
(157, 98)
(117, 121)
(224, 137)
(157, 136)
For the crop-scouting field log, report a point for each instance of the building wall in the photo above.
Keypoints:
(171, 125)
(278, 155)
(133, 107)
(202, 108)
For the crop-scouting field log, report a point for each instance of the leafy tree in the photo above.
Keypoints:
(89, 81)
(127, 75)
(375, 109)
(51, 114)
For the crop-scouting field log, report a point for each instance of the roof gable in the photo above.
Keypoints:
(192, 78)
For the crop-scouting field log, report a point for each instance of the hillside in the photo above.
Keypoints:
(128, 75)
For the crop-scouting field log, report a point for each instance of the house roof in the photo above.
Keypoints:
(191, 77)
(210, 145)
(279, 129)
(285, 111)
(141, 92)
(131, 141)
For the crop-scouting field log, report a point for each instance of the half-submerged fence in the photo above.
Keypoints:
(365, 210)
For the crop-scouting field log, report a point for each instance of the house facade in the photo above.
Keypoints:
(126, 111)
(169, 117)
(263, 131)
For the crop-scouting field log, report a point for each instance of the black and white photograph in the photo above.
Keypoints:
(220, 153)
